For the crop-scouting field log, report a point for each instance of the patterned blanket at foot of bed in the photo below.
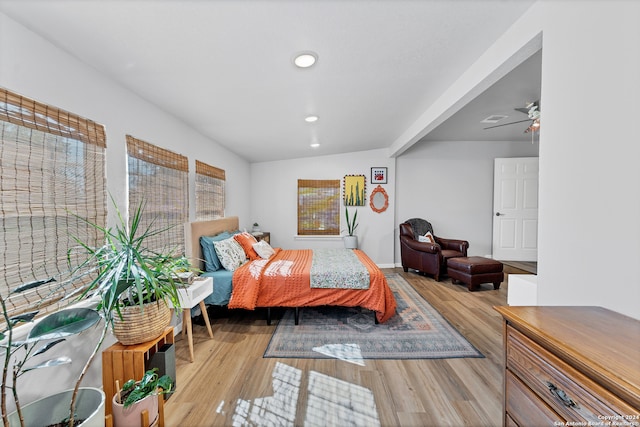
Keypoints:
(338, 269)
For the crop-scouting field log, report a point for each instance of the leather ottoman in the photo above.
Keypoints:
(474, 270)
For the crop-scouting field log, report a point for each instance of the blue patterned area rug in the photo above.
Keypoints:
(417, 331)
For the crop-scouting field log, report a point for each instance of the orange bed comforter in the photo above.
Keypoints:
(284, 281)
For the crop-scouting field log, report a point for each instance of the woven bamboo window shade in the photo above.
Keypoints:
(52, 167)
(319, 207)
(159, 179)
(210, 192)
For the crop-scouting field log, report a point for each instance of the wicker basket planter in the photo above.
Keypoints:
(141, 324)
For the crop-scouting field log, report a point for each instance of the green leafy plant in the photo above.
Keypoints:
(54, 328)
(134, 391)
(351, 224)
(125, 272)
(183, 265)
(120, 272)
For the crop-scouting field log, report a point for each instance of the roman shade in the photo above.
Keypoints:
(210, 192)
(52, 169)
(319, 207)
(159, 179)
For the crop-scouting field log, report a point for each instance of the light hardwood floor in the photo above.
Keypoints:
(231, 384)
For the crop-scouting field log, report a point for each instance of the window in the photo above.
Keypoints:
(210, 195)
(52, 167)
(159, 179)
(318, 207)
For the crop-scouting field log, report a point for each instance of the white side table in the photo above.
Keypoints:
(191, 296)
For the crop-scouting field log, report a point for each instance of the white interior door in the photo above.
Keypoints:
(515, 209)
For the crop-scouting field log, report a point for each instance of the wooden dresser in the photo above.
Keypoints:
(570, 366)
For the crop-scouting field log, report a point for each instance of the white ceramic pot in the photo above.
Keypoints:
(350, 242)
(55, 408)
(130, 416)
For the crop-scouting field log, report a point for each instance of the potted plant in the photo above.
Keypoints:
(256, 227)
(51, 330)
(132, 280)
(183, 272)
(351, 240)
(138, 396)
(122, 273)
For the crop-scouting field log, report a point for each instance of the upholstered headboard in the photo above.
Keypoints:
(194, 230)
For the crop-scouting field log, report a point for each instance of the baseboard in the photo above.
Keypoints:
(386, 265)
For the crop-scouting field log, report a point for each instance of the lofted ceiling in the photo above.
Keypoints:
(515, 90)
(225, 67)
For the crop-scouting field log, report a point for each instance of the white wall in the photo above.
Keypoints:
(589, 236)
(33, 67)
(450, 184)
(589, 155)
(274, 189)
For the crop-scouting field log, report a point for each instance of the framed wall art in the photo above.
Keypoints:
(379, 200)
(354, 190)
(378, 175)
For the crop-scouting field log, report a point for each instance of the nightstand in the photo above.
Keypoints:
(190, 296)
(262, 235)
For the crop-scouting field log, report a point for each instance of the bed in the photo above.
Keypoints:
(286, 279)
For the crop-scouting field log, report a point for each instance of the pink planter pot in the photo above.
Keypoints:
(130, 417)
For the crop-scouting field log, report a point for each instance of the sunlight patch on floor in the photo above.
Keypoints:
(333, 402)
(279, 409)
(347, 352)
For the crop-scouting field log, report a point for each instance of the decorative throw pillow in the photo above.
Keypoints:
(427, 238)
(263, 249)
(247, 241)
(230, 253)
(211, 261)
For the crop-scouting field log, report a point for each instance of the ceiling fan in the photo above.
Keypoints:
(532, 110)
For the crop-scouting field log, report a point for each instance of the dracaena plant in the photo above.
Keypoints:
(120, 271)
(126, 271)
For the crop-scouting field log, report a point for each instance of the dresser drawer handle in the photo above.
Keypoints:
(560, 394)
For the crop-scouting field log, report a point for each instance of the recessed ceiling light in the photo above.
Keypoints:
(315, 145)
(305, 59)
(311, 119)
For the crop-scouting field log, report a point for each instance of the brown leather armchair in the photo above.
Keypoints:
(429, 258)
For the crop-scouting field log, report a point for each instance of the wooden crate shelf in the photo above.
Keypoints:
(123, 362)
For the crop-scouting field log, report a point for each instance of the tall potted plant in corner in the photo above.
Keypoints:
(351, 240)
(134, 282)
(86, 404)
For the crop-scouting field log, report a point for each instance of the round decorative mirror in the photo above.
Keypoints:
(379, 200)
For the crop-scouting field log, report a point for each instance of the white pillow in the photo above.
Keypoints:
(427, 238)
(263, 249)
(230, 253)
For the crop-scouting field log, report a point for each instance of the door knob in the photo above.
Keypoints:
(498, 214)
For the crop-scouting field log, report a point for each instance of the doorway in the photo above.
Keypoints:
(515, 209)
